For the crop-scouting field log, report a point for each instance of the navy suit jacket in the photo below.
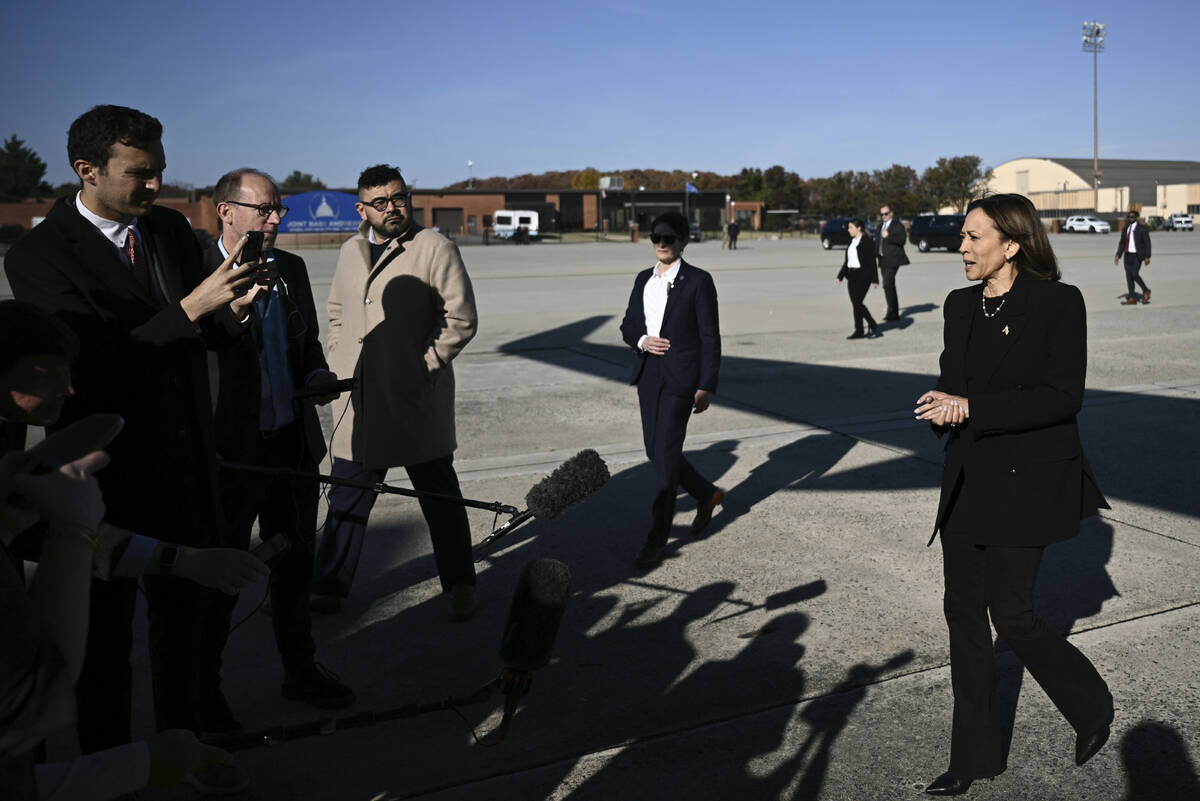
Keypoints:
(1141, 240)
(1025, 478)
(689, 322)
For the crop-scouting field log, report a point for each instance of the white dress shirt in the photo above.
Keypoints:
(852, 253)
(117, 232)
(654, 298)
(1131, 243)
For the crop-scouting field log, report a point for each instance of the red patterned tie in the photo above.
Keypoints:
(141, 273)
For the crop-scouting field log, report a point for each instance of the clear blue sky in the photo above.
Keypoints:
(331, 87)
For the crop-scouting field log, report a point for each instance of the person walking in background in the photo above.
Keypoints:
(1015, 480)
(401, 307)
(732, 232)
(858, 269)
(891, 258)
(671, 324)
(1134, 245)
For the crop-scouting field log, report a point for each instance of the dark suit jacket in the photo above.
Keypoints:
(1026, 480)
(239, 379)
(867, 270)
(891, 247)
(689, 321)
(1141, 240)
(139, 358)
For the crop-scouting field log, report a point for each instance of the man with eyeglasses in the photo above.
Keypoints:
(401, 307)
(891, 258)
(671, 324)
(129, 278)
(259, 422)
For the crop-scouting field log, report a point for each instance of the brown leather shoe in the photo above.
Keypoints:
(704, 511)
(1146, 296)
(1129, 301)
(650, 557)
(463, 602)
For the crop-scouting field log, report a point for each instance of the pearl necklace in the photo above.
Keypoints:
(983, 299)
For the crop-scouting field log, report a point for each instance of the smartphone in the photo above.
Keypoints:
(252, 250)
(92, 433)
(272, 549)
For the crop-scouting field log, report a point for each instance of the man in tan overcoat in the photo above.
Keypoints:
(400, 308)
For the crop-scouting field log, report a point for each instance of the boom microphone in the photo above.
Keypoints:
(571, 482)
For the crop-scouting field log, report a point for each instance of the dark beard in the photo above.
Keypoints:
(392, 230)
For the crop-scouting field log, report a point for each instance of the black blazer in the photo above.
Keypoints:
(140, 358)
(1141, 240)
(891, 247)
(1025, 478)
(239, 380)
(689, 321)
(866, 258)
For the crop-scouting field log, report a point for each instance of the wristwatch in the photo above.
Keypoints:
(166, 562)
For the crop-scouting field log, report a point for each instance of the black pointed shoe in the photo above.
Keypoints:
(1088, 745)
(949, 784)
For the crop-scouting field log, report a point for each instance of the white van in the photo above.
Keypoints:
(505, 222)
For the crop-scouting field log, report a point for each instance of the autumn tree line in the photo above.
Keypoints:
(951, 182)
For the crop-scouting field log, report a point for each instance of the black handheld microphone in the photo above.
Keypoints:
(571, 482)
(340, 386)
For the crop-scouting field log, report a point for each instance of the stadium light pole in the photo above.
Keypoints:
(1093, 42)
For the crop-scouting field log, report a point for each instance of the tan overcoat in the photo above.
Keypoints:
(395, 326)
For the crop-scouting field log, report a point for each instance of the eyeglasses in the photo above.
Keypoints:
(381, 203)
(663, 239)
(263, 209)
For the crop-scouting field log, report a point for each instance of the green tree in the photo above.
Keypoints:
(300, 182)
(21, 170)
(843, 194)
(898, 187)
(955, 181)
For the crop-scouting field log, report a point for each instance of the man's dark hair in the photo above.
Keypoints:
(27, 330)
(94, 133)
(673, 220)
(230, 184)
(379, 175)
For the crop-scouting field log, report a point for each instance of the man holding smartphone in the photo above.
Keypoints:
(258, 422)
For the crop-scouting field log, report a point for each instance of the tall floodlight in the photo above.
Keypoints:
(1093, 42)
(470, 174)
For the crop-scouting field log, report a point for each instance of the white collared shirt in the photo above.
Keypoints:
(113, 231)
(1131, 246)
(654, 297)
(852, 253)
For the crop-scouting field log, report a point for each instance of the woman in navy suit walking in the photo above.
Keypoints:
(1015, 479)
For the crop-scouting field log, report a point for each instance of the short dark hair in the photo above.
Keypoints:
(1016, 218)
(379, 175)
(231, 182)
(675, 221)
(93, 134)
(27, 330)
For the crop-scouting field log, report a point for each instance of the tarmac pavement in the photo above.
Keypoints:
(796, 649)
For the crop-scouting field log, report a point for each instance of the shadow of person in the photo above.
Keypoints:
(1157, 764)
(1073, 584)
(826, 718)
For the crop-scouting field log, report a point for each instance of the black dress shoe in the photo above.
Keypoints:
(873, 333)
(946, 784)
(891, 318)
(317, 685)
(1088, 745)
(857, 335)
(650, 557)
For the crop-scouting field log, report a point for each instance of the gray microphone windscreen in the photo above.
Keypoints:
(536, 612)
(570, 483)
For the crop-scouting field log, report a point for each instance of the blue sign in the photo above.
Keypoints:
(320, 212)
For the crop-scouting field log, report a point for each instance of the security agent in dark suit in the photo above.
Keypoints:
(259, 422)
(891, 258)
(671, 323)
(1015, 479)
(128, 277)
(1134, 245)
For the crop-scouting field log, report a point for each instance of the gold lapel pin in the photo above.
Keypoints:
(1006, 330)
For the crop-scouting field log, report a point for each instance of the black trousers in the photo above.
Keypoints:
(888, 283)
(281, 505)
(1133, 270)
(349, 509)
(104, 691)
(664, 425)
(858, 290)
(999, 581)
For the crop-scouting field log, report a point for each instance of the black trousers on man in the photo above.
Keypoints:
(998, 580)
(665, 418)
(281, 505)
(888, 282)
(1133, 270)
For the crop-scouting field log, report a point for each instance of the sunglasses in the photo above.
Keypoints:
(663, 239)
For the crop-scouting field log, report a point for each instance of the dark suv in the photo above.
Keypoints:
(836, 231)
(936, 231)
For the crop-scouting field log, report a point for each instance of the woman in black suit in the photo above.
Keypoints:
(1015, 479)
(860, 271)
